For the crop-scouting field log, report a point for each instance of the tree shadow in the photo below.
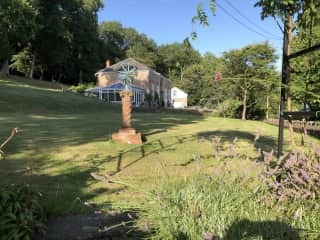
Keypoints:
(112, 225)
(266, 230)
(265, 143)
(49, 132)
(161, 147)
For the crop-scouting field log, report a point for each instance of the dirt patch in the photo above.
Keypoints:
(106, 226)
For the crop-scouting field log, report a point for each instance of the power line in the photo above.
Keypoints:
(249, 20)
(241, 23)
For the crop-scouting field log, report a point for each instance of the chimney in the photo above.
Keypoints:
(107, 63)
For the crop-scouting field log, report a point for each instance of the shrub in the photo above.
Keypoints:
(81, 87)
(293, 176)
(229, 108)
(21, 213)
(206, 208)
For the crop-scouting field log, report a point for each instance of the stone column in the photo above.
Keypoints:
(126, 108)
(126, 134)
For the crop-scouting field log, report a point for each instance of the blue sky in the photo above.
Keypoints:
(168, 21)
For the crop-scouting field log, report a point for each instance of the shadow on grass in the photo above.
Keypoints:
(265, 143)
(50, 132)
(66, 183)
(266, 230)
(161, 147)
(115, 225)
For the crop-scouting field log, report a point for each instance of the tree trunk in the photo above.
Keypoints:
(32, 65)
(244, 109)
(41, 72)
(289, 103)
(80, 70)
(5, 68)
(181, 74)
(267, 112)
(80, 77)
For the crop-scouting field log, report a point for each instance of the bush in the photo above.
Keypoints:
(294, 176)
(21, 213)
(203, 208)
(229, 108)
(81, 87)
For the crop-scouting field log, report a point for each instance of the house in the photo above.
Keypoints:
(146, 81)
(179, 99)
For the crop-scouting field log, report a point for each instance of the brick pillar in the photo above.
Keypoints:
(126, 108)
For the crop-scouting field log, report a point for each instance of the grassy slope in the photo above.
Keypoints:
(65, 137)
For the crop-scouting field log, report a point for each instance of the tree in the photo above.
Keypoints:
(121, 42)
(293, 13)
(143, 49)
(16, 29)
(249, 69)
(113, 36)
(200, 84)
(64, 44)
(176, 57)
(305, 70)
(143, 54)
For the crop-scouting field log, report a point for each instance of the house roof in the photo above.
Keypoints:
(129, 61)
(117, 87)
(178, 89)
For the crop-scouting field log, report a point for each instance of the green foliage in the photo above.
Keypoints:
(81, 87)
(229, 108)
(16, 25)
(143, 54)
(296, 8)
(305, 72)
(175, 58)
(251, 69)
(202, 17)
(22, 215)
(21, 61)
(120, 42)
(61, 36)
(248, 75)
(227, 209)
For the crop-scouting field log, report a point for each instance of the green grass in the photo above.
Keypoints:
(65, 137)
(227, 208)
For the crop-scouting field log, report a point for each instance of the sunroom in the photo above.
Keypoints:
(111, 93)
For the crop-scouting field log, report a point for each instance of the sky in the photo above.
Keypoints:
(168, 21)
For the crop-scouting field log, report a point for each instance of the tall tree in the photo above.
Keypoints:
(176, 58)
(292, 13)
(249, 68)
(16, 29)
(121, 42)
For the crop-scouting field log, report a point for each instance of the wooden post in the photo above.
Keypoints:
(284, 75)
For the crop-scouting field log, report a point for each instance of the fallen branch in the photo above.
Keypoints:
(13, 133)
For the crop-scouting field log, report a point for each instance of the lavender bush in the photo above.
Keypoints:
(295, 175)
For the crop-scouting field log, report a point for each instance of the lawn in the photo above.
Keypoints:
(64, 137)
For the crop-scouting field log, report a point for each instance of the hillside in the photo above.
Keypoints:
(65, 137)
(19, 95)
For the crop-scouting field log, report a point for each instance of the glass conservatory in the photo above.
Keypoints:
(111, 93)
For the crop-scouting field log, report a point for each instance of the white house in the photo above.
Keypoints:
(179, 99)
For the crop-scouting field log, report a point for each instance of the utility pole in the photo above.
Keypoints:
(284, 80)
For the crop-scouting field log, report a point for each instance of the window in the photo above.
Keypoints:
(174, 93)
